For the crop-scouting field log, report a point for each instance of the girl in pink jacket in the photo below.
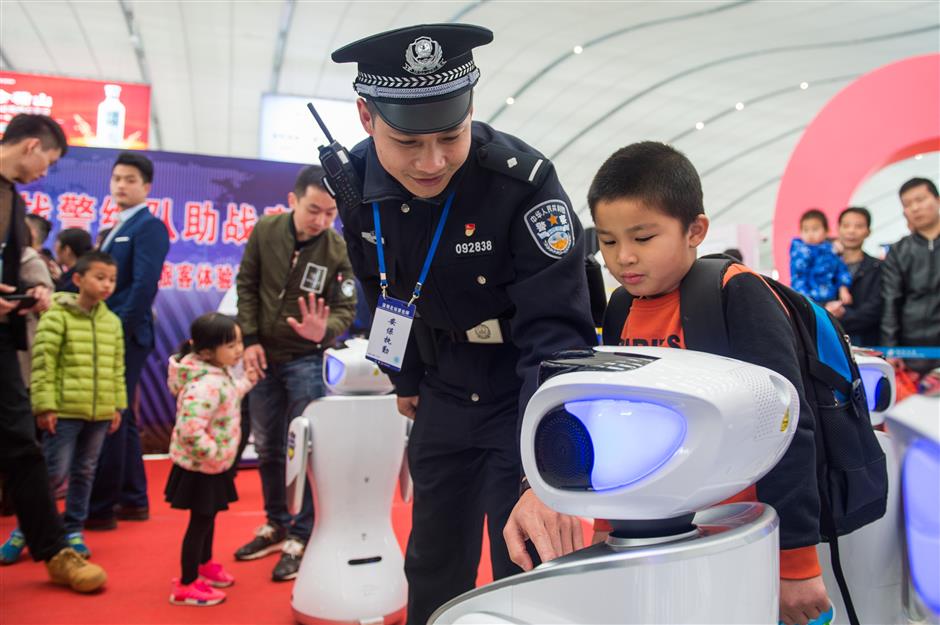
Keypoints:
(203, 448)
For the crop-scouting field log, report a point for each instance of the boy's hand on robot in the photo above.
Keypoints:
(553, 534)
(46, 421)
(313, 318)
(802, 600)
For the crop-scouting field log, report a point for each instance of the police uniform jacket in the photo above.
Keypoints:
(494, 261)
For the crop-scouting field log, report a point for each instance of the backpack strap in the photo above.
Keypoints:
(701, 305)
(616, 315)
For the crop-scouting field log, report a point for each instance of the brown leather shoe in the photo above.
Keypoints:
(132, 513)
(70, 569)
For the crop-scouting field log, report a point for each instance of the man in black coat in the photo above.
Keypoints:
(30, 145)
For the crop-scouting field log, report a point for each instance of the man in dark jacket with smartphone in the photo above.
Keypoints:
(30, 145)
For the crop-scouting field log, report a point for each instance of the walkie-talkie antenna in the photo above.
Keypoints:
(329, 137)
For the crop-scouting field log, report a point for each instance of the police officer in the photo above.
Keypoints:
(480, 220)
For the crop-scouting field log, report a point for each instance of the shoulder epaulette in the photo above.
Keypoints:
(523, 166)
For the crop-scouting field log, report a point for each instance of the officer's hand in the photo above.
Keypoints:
(255, 359)
(313, 319)
(553, 534)
(408, 406)
(802, 600)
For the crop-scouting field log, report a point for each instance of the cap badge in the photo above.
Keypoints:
(423, 56)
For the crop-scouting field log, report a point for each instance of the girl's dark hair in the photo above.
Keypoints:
(209, 331)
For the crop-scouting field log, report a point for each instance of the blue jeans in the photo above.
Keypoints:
(72, 452)
(283, 394)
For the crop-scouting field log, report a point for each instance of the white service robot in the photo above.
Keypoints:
(351, 446)
(651, 439)
(871, 556)
(915, 431)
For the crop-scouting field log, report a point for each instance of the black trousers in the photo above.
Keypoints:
(120, 478)
(21, 460)
(465, 464)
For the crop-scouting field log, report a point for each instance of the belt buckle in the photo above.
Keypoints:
(487, 333)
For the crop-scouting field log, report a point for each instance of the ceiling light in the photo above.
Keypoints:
(578, 49)
(510, 100)
(699, 125)
(739, 106)
(804, 86)
(918, 157)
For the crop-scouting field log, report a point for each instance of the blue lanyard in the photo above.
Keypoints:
(383, 277)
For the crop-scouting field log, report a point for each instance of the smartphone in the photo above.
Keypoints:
(26, 301)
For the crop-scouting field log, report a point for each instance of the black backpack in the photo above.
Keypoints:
(851, 468)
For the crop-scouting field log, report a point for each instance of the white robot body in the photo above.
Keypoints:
(694, 581)
(697, 429)
(871, 556)
(879, 383)
(351, 448)
(915, 431)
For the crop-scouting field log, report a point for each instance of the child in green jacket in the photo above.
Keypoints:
(77, 389)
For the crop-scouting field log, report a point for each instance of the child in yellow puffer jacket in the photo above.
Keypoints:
(77, 389)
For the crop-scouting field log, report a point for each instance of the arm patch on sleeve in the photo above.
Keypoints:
(549, 223)
(530, 168)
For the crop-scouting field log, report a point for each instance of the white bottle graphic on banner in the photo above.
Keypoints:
(109, 133)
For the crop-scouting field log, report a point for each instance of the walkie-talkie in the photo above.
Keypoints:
(341, 179)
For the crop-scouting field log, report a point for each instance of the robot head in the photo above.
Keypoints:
(879, 382)
(915, 432)
(647, 433)
(348, 372)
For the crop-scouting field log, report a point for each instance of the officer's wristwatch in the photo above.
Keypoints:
(524, 485)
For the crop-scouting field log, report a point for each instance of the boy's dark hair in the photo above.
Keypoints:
(309, 176)
(916, 182)
(858, 210)
(209, 331)
(143, 164)
(815, 213)
(42, 127)
(654, 173)
(76, 239)
(94, 256)
(44, 225)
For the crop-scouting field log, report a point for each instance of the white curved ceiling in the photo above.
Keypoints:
(647, 70)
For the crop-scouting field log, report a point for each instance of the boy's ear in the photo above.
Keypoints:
(697, 230)
(76, 278)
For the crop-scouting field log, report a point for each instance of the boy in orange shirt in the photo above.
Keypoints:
(646, 201)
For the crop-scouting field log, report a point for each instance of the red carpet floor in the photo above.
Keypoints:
(141, 557)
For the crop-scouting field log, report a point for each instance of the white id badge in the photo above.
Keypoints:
(391, 327)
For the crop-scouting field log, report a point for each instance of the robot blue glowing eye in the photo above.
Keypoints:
(334, 370)
(922, 519)
(600, 444)
(877, 389)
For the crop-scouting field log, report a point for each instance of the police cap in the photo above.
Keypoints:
(419, 78)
